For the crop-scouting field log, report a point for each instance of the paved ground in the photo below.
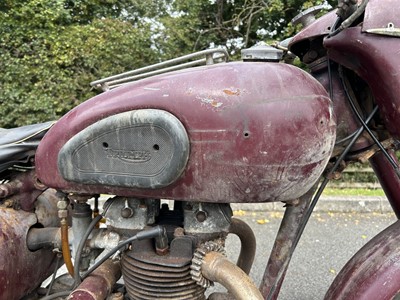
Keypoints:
(329, 240)
(330, 203)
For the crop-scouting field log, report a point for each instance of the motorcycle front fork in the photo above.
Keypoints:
(388, 179)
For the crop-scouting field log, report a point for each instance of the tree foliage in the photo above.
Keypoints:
(51, 49)
(199, 24)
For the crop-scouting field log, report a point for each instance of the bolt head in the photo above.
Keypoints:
(127, 212)
(63, 214)
(61, 205)
(201, 216)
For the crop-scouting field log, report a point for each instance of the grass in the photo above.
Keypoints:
(353, 192)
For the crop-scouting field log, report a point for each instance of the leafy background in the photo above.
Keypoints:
(50, 50)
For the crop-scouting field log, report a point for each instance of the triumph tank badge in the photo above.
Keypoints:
(132, 156)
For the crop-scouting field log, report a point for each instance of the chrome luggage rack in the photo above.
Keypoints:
(212, 56)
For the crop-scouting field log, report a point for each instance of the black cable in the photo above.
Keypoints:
(345, 139)
(376, 141)
(335, 29)
(330, 79)
(53, 278)
(147, 234)
(312, 205)
(77, 277)
(337, 21)
(354, 133)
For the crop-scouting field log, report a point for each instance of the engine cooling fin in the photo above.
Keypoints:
(197, 261)
(159, 280)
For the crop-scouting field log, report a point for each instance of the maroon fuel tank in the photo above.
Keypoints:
(233, 132)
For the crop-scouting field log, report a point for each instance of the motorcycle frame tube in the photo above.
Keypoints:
(99, 284)
(280, 257)
(24, 189)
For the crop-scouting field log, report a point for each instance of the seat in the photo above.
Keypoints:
(18, 145)
(21, 134)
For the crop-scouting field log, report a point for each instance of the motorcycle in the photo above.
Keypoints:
(253, 131)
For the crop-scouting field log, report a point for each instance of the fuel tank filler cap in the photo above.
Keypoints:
(262, 52)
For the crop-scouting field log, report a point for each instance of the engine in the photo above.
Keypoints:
(165, 265)
(162, 268)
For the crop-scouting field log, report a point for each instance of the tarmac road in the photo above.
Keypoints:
(328, 242)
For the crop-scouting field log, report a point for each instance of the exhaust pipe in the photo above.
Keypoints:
(216, 267)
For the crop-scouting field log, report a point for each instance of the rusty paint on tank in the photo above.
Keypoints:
(258, 132)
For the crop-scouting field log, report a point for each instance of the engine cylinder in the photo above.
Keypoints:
(151, 276)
